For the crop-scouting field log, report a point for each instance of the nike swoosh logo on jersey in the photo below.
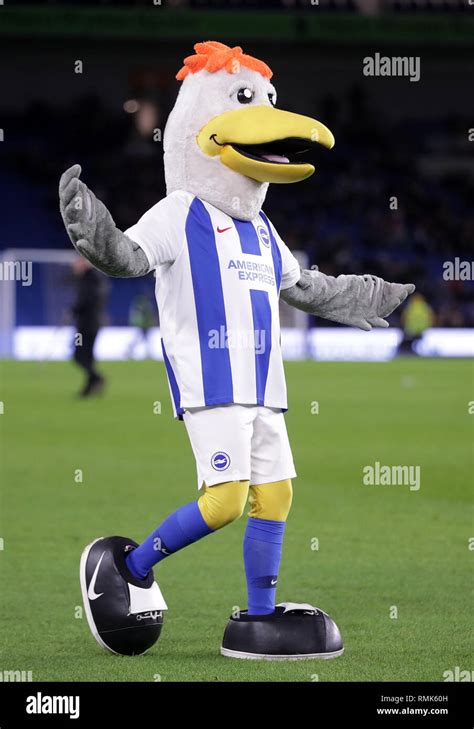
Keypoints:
(223, 230)
(91, 593)
(273, 582)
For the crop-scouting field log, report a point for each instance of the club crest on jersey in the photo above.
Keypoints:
(220, 461)
(263, 235)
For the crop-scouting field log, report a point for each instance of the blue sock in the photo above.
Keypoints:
(263, 544)
(183, 527)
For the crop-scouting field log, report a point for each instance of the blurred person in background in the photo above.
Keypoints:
(142, 316)
(416, 317)
(88, 308)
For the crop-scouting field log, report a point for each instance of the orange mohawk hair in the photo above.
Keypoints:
(213, 56)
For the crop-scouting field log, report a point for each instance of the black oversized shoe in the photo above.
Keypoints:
(125, 615)
(293, 632)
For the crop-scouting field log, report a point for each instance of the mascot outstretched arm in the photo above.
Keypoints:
(93, 232)
(359, 301)
(220, 268)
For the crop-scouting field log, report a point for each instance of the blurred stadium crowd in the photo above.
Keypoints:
(344, 218)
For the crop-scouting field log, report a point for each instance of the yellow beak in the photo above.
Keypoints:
(257, 142)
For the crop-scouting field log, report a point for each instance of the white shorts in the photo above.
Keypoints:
(239, 443)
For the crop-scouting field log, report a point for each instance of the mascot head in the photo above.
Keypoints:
(225, 140)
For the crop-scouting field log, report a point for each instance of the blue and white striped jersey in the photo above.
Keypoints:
(217, 288)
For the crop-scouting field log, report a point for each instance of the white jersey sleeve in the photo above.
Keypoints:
(290, 267)
(160, 231)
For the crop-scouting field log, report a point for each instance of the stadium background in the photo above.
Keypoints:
(394, 137)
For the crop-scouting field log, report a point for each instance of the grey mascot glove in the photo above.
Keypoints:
(358, 301)
(93, 232)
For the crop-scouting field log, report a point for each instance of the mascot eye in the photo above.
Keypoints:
(272, 98)
(245, 96)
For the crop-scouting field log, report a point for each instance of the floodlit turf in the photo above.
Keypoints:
(381, 549)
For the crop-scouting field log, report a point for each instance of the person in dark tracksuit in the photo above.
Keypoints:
(87, 310)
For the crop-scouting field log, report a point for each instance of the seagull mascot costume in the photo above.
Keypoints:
(221, 268)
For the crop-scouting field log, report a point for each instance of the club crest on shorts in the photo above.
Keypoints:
(220, 461)
(264, 235)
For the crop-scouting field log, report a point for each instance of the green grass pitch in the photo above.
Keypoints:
(382, 550)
